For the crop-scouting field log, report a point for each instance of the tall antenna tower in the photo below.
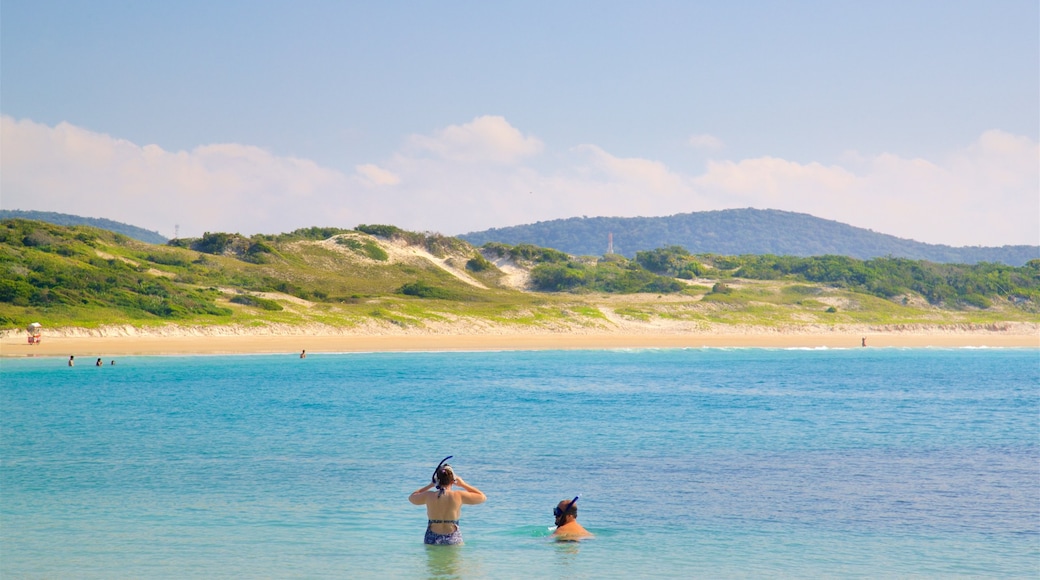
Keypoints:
(176, 231)
(610, 243)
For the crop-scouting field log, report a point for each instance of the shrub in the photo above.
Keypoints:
(557, 277)
(213, 243)
(720, 288)
(368, 248)
(382, 231)
(478, 263)
(39, 239)
(423, 290)
(258, 252)
(17, 292)
(168, 260)
(312, 233)
(976, 300)
(250, 300)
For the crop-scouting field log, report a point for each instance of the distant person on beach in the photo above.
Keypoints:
(567, 526)
(99, 363)
(444, 505)
(303, 354)
(863, 342)
(72, 361)
(113, 363)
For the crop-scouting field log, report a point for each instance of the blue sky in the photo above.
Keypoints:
(918, 119)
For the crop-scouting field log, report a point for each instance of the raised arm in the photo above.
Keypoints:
(418, 496)
(472, 495)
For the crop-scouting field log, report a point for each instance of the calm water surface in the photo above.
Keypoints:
(691, 463)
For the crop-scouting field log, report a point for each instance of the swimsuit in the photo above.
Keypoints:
(435, 539)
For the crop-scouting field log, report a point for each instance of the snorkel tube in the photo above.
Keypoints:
(570, 505)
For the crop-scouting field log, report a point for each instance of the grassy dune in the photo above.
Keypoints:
(85, 277)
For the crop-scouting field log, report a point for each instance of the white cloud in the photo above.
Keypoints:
(484, 139)
(706, 142)
(770, 178)
(224, 187)
(377, 175)
(987, 193)
(645, 173)
(483, 174)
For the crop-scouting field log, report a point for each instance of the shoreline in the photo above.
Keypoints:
(288, 343)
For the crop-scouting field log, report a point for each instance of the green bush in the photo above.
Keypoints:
(526, 253)
(39, 239)
(213, 243)
(312, 233)
(368, 248)
(557, 277)
(168, 259)
(478, 263)
(382, 231)
(423, 290)
(259, 252)
(665, 261)
(976, 300)
(256, 301)
(17, 292)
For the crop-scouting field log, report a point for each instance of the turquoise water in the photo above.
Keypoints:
(691, 463)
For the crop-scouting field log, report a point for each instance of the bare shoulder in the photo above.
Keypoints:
(571, 532)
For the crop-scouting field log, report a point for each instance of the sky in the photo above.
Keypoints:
(919, 118)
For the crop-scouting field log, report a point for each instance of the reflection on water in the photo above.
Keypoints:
(566, 553)
(444, 562)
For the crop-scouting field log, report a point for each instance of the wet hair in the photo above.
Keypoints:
(445, 476)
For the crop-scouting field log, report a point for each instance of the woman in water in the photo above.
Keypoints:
(444, 505)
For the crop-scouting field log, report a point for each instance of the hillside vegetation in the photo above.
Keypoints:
(64, 219)
(379, 276)
(738, 232)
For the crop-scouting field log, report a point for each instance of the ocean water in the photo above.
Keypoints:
(713, 463)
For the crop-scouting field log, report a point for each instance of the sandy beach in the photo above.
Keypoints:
(107, 344)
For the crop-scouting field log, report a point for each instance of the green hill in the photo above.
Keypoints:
(737, 232)
(64, 219)
(382, 277)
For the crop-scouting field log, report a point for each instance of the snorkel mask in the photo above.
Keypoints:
(558, 513)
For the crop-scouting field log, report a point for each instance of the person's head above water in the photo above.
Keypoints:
(567, 526)
(444, 475)
(565, 508)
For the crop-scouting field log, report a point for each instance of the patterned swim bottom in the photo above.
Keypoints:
(435, 539)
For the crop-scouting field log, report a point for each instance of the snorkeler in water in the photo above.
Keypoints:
(567, 526)
(444, 505)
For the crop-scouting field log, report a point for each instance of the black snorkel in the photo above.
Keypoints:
(440, 490)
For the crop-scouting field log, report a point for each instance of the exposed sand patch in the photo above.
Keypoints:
(516, 277)
(107, 256)
(269, 295)
(402, 251)
(155, 272)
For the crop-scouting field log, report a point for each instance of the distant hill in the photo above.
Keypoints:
(64, 219)
(737, 232)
